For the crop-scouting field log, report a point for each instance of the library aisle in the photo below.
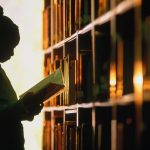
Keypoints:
(103, 50)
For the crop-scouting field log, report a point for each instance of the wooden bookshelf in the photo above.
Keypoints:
(102, 48)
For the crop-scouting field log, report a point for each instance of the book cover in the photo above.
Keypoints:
(49, 87)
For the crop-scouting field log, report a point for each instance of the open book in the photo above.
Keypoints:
(49, 87)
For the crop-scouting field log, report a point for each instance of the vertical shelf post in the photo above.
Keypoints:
(113, 76)
(138, 72)
(93, 68)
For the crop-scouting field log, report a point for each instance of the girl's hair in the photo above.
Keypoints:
(9, 31)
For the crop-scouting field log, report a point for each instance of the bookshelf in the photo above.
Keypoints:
(102, 48)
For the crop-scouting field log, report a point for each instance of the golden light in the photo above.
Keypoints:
(138, 79)
(112, 81)
(26, 67)
(138, 74)
(112, 75)
(138, 83)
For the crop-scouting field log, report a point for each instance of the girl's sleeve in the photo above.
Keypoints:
(15, 111)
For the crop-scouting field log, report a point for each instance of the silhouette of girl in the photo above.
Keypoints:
(12, 110)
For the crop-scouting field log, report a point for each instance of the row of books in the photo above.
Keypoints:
(62, 18)
(67, 135)
(87, 74)
(78, 74)
(96, 66)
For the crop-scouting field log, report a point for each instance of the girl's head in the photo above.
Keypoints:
(9, 37)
